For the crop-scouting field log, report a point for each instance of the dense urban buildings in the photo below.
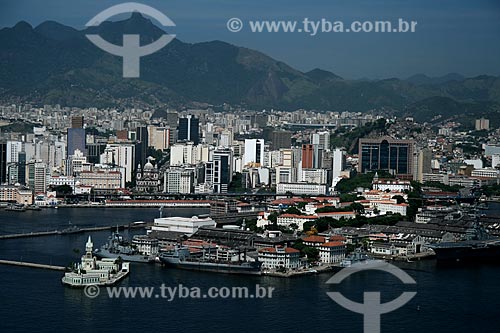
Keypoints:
(201, 151)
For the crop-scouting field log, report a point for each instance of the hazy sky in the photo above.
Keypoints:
(460, 36)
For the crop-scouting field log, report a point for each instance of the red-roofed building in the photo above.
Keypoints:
(314, 241)
(279, 257)
(332, 252)
(337, 238)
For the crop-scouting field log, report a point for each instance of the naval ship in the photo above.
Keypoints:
(118, 246)
(478, 245)
(180, 257)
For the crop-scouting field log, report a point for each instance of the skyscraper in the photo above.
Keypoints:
(226, 138)
(77, 122)
(37, 176)
(76, 140)
(222, 170)
(21, 168)
(189, 129)
(3, 162)
(338, 162)
(322, 139)
(172, 119)
(307, 156)
(482, 124)
(13, 150)
(393, 155)
(254, 152)
(281, 139)
(423, 164)
(142, 144)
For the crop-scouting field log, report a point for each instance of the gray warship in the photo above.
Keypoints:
(118, 246)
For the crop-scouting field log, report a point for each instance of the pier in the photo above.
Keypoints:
(77, 231)
(32, 265)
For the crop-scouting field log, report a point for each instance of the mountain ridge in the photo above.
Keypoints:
(54, 63)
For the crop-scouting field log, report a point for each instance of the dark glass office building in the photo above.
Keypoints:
(141, 147)
(94, 151)
(3, 162)
(21, 169)
(76, 140)
(395, 156)
(222, 172)
(189, 129)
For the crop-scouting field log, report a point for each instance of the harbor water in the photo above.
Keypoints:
(449, 298)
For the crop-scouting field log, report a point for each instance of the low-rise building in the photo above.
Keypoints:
(314, 240)
(101, 180)
(391, 185)
(390, 206)
(146, 245)
(486, 173)
(384, 249)
(301, 188)
(20, 195)
(279, 258)
(288, 219)
(332, 252)
(186, 225)
(338, 215)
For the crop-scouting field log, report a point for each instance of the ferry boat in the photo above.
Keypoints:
(91, 271)
(180, 257)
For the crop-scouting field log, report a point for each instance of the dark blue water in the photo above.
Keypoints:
(449, 299)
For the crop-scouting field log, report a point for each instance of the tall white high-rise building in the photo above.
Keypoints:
(254, 152)
(188, 154)
(75, 163)
(121, 156)
(322, 139)
(226, 138)
(12, 158)
(338, 162)
(159, 137)
(178, 180)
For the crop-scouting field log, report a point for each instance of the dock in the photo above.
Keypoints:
(78, 231)
(32, 265)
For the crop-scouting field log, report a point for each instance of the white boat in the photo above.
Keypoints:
(91, 271)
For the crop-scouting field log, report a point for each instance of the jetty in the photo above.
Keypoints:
(75, 231)
(31, 264)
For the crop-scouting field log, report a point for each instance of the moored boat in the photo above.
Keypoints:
(118, 247)
(180, 257)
